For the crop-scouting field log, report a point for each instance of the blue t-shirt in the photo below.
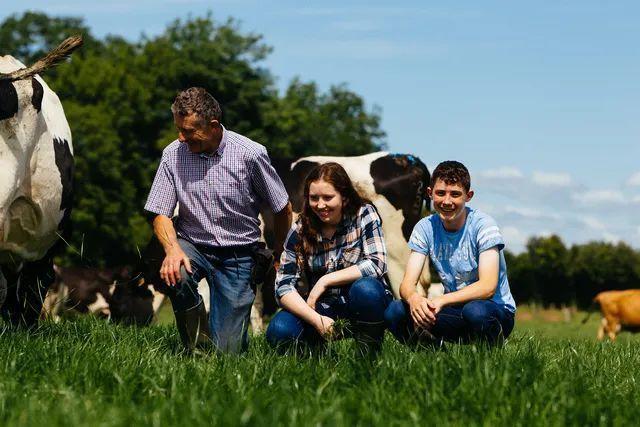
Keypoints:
(455, 255)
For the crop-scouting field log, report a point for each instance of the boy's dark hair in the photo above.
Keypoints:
(452, 172)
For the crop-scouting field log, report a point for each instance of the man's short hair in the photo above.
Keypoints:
(452, 172)
(197, 100)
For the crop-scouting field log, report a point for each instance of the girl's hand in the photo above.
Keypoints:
(324, 326)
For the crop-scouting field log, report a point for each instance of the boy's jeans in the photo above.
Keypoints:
(482, 320)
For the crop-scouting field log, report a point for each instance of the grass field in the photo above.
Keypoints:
(88, 372)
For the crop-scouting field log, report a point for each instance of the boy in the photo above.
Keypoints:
(465, 246)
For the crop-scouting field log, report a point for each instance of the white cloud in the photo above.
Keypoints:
(530, 213)
(515, 240)
(592, 223)
(598, 197)
(634, 180)
(610, 237)
(548, 179)
(505, 172)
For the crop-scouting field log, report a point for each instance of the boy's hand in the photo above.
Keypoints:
(435, 304)
(422, 315)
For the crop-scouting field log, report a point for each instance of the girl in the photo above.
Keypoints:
(337, 247)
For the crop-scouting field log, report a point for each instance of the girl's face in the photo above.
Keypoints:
(326, 202)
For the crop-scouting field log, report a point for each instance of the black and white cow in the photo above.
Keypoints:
(36, 182)
(112, 293)
(395, 183)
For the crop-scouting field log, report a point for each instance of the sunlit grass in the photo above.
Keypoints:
(88, 372)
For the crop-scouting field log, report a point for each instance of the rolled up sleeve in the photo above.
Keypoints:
(288, 273)
(374, 260)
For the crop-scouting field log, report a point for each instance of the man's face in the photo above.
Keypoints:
(449, 200)
(199, 135)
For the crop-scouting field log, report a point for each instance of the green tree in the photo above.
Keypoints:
(598, 266)
(305, 122)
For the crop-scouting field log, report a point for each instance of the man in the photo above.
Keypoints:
(219, 178)
(465, 246)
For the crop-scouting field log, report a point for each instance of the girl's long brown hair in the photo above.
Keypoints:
(310, 224)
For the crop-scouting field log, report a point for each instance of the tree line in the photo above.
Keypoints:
(552, 274)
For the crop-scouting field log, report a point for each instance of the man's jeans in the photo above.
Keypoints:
(228, 273)
(363, 301)
(482, 320)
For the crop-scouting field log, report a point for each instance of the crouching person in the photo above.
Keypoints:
(465, 246)
(219, 178)
(337, 246)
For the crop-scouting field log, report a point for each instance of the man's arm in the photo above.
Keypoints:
(174, 255)
(281, 225)
(484, 288)
(419, 309)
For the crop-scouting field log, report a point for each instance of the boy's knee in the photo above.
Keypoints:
(478, 312)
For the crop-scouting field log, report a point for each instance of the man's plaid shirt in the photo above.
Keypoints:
(358, 240)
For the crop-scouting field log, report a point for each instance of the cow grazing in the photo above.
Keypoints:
(620, 311)
(109, 293)
(36, 180)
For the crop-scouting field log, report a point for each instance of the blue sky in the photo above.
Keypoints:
(539, 99)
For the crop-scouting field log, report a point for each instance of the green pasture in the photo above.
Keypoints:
(88, 372)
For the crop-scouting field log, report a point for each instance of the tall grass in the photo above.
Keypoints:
(88, 372)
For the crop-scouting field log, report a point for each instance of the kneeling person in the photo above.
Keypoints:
(465, 246)
(337, 245)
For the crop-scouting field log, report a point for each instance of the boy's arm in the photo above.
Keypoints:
(419, 309)
(484, 288)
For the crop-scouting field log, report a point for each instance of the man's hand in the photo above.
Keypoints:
(170, 269)
(324, 325)
(316, 292)
(422, 315)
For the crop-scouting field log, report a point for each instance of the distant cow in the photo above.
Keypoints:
(36, 180)
(620, 311)
(109, 293)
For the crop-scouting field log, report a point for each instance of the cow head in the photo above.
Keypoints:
(36, 164)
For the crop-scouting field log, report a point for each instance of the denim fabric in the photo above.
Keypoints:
(228, 273)
(366, 300)
(476, 320)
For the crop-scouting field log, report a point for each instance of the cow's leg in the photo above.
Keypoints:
(26, 291)
(601, 329)
(257, 325)
(3, 288)
(612, 328)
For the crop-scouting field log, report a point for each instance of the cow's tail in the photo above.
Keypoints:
(51, 59)
(591, 308)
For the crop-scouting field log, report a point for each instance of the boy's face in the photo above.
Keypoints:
(449, 200)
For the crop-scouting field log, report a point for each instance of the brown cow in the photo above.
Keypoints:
(620, 310)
